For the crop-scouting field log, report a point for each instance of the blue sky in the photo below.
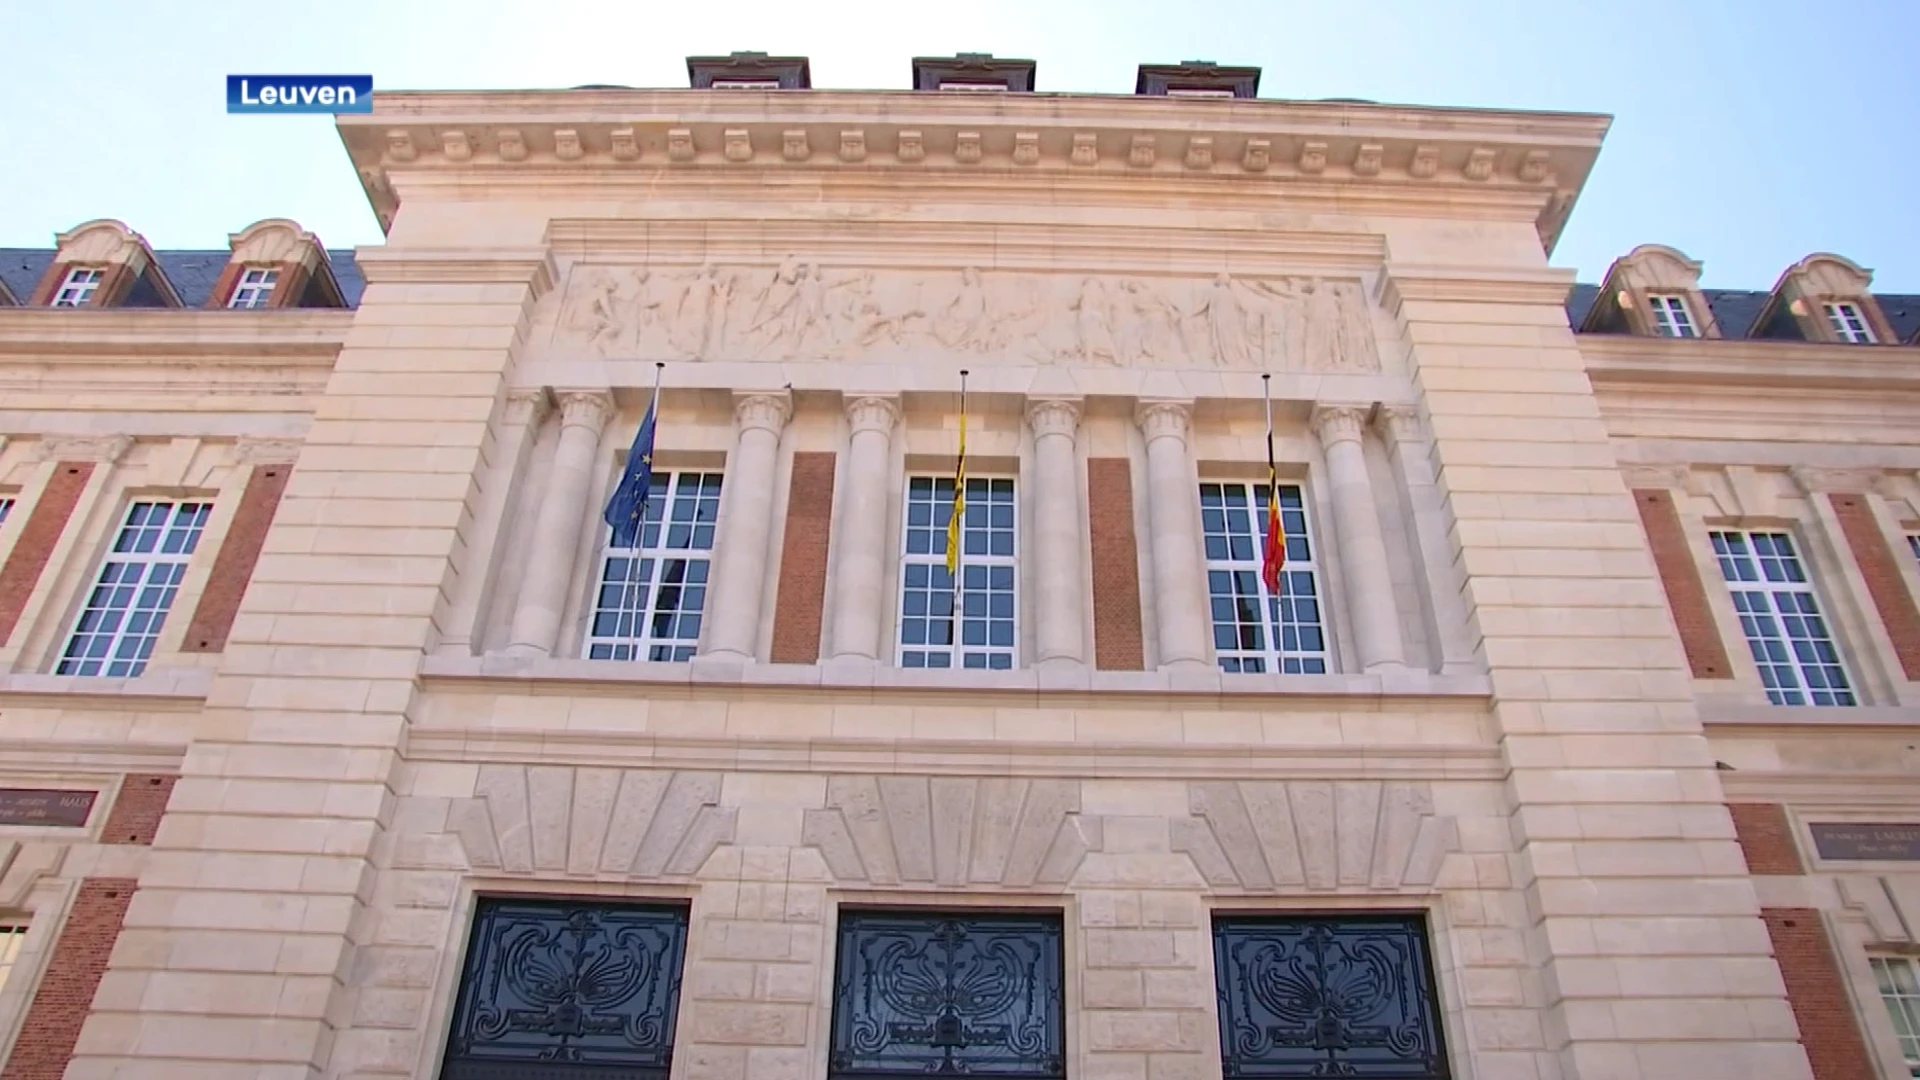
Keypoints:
(1747, 134)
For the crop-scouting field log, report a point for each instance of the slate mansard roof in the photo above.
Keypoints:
(192, 273)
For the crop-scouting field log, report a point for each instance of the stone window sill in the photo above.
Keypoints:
(181, 684)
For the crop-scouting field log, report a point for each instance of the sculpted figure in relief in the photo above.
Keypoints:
(800, 310)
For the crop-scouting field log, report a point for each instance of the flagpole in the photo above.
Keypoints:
(1268, 527)
(660, 367)
(958, 532)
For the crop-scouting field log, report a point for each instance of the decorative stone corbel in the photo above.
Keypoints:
(1313, 157)
(1086, 149)
(566, 144)
(625, 146)
(264, 452)
(456, 145)
(104, 449)
(512, 146)
(1813, 480)
(1425, 164)
(794, 146)
(1026, 148)
(680, 144)
(853, 145)
(1142, 151)
(1366, 161)
(735, 145)
(1199, 152)
(400, 146)
(1479, 164)
(966, 148)
(1536, 167)
(911, 147)
(1257, 156)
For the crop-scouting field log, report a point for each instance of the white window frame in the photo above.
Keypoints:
(13, 938)
(1898, 980)
(990, 579)
(126, 609)
(1786, 629)
(744, 84)
(625, 621)
(1849, 322)
(255, 287)
(1233, 530)
(1671, 316)
(78, 289)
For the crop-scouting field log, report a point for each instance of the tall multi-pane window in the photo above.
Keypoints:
(255, 287)
(128, 606)
(1780, 616)
(1912, 541)
(1671, 317)
(78, 289)
(651, 597)
(986, 635)
(1254, 629)
(6, 507)
(12, 936)
(1900, 989)
(1849, 323)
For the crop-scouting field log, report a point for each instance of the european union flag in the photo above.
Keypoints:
(627, 509)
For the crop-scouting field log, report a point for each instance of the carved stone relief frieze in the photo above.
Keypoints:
(800, 310)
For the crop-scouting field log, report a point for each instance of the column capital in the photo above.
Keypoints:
(770, 411)
(527, 405)
(1338, 423)
(585, 408)
(1164, 418)
(1053, 416)
(1401, 424)
(265, 451)
(1657, 477)
(104, 449)
(873, 412)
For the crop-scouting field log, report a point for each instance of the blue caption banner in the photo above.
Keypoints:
(300, 94)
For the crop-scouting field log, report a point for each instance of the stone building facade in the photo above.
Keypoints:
(1577, 740)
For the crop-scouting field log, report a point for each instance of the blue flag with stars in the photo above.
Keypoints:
(627, 509)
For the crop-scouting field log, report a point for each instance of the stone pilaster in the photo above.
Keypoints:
(510, 444)
(1367, 575)
(1643, 929)
(860, 540)
(1445, 613)
(740, 563)
(1060, 593)
(551, 553)
(1173, 507)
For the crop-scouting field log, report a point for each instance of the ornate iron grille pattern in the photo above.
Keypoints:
(1341, 995)
(940, 994)
(566, 990)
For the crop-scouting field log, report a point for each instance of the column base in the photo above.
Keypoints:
(720, 665)
(1387, 667)
(1063, 673)
(520, 651)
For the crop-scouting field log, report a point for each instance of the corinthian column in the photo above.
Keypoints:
(556, 526)
(860, 537)
(739, 577)
(1173, 508)
(1363, 552)
(1059, 578)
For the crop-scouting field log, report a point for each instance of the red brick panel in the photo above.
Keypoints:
(233, 568)
(138, 808)
(1686, 595)
(38, 537)
(1828, 1028)
(65, 994)
(1117, 630)
(1766, 838)
(798, 607)
(1881, 568)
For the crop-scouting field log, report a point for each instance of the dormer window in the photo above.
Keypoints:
(1849, 324)
(1196, 79)
(748, 71)
(255, 288)
(78, 289)
(973, 73)
(1670, 316)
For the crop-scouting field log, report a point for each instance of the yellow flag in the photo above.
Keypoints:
(959, 496)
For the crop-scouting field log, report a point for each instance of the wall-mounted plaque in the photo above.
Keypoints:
(42, 806)
(1849, 840)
